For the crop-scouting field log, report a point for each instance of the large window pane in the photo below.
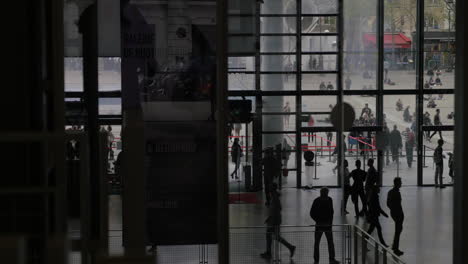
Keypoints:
(318, 108)
(277, 44)
(399, 44)
(319, 62)
(360, 55)
(364, 107)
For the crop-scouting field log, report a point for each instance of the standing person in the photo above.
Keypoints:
(372, 178)
(236, 154)
(409, 146)
(427, 122)
(348, 83)
(270, 172)
(359, 177)
(273, 224)
(437, 123)
(439, 163)
(347, 185)
(335, 152)
(374, 212)
(110, 139)
(450, 165)
(396, 211)
(322, 213)
(287, 111)
(395, 143)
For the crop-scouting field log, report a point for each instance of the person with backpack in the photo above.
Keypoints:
(322, 213)
(439, 164)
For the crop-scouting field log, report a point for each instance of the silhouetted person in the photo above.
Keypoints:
(437, 123)
(386, 144)
(322, 213)
(407, 115)
(330, 86)
(335, 152)
(439, 164)
(286, 153)
(372, 177)
(270, 171)
(450, 165)
(358, 176)
(347, 185)
(374, 212)
(399, 105)
(236, 153)
(395, 143)
(396, 211)
(273, 224)
(409, 146)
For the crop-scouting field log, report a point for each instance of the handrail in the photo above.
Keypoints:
(376, 242)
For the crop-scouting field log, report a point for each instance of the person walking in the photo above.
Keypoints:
(273, 224)
(357, 189)
(322, 213)
(395, 143)
(409, 146)
(372, 178)
(396, 211)
(439, 163)
(374, 212)
(236, 154)
(437, 123)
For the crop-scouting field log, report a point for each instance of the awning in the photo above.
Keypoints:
(396, 40)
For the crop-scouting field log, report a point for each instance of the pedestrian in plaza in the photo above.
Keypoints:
(330, 86)
(395, 143)
(359, 177)
(427, 122)
(372, 178)
(439, 164)
(406, 115)
(386, 144)
(366, 110)
(399, 105)
(273, 223)
(335, 152)
(437, 123)
(352, 141)
(271, 170)
(374, 212)
(396, 212)
(427, 85)
(409, 146)
(322, 213)
(348, 83)
(236, 154)
(322, 86)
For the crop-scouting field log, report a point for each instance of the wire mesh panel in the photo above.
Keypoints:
(304, 238)
(247, 245)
